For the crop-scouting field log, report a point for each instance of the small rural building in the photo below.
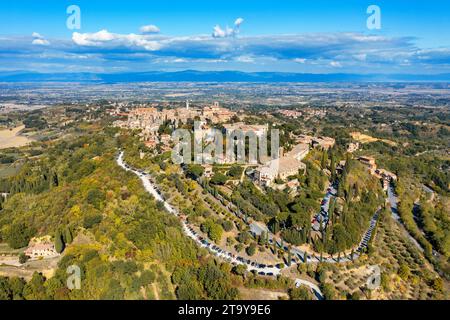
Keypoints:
(45, 250)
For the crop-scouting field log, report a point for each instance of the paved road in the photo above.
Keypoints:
(188, 230)
(315, 289)
(393, 201)
(262, 269)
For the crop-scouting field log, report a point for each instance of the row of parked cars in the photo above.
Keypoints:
(232, 258)
(322, 217)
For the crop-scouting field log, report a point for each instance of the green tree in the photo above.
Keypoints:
(147, 277)
(5, 289)
(18, 235)
(194, 171)
(17, 285)
(324, 160)
(251, 249)
(404, 272)
(67, 236)
(23, 258)
(213, 230)
(289, 259)
(219, 179)
(333, 167)
(328, 291)
(189, 291)
(227, 225)
(59, 243)
(300, 293)
(91, 220)
(235, 171)
(240, 269)
(438, 284)
(35, 289)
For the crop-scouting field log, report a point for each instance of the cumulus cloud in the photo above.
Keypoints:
(37, 35)
(149, 29)
(332, 50)
(293, 52)
(218, 32)
(39, 39)
(106, 38)
(238, 22)
(41, 42)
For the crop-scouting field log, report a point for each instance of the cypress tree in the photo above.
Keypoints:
(59, 243)
(324, 161)
(333, 168)
(68, 236)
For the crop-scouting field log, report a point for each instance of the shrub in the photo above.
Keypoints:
(227, 225)
(23, 258)
(251, 249)
(91, 220)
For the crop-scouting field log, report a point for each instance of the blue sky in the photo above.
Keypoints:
(297, 36)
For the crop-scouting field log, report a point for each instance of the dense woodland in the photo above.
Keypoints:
(133, 245)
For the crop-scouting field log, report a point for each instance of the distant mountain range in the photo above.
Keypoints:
(215, 76)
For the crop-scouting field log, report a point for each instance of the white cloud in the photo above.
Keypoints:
(300, 60)
(238, 22)
(222, 33)
(245, 59)
(92, 39)
(104, 37)
(336, 50)
(37, 35)
(41, 42)
(218, 32)
(335, 64)
(149, 29)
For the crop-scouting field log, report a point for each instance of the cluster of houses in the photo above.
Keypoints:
(324, 143)
(293, 114)
(149, 120)
(266, 171)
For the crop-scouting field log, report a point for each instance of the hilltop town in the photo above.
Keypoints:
(345, 188)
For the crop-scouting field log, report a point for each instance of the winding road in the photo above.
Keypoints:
(393, 201)
(259, 268)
